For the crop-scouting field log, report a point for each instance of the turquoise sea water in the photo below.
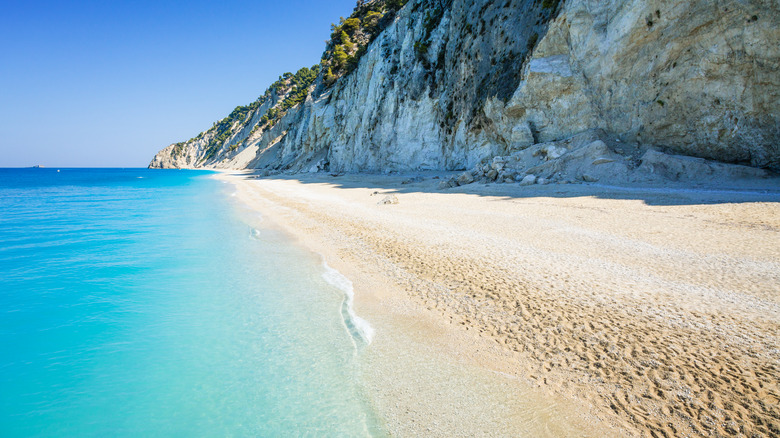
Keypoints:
(149, 303)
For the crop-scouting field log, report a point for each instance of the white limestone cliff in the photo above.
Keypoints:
(451, 83)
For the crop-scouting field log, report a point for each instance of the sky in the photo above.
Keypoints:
(110, 83)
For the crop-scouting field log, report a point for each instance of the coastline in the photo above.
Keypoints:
(500, 307)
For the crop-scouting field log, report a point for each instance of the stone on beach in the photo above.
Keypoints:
(389, 199)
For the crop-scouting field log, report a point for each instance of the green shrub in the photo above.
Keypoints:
(371, 21)
(346, 41)
(340, 56)
(351, 25)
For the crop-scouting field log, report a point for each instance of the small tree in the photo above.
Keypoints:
(347, 42)
(329, 78)
(371, 20)
(351, 25)
(340, 56)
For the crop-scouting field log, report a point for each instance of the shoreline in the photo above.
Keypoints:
(612, 302)
(356, 326)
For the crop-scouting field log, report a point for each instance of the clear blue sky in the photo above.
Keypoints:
(109, 83)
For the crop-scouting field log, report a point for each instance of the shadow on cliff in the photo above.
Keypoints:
(671, 193)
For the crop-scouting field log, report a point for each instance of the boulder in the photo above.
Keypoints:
(465, 178)
(528, 180)
(657, 164)
(553, 152)
(498, 164)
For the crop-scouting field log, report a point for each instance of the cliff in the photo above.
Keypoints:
(450, 84)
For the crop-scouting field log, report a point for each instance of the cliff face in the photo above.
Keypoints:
(451, 82)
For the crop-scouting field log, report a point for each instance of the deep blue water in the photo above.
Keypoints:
(149, 303)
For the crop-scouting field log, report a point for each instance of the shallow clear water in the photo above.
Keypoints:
(147, 303)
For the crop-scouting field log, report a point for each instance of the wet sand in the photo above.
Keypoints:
(558, 310)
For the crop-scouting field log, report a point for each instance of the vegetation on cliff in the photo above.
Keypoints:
(348, 42)
(288, 91)
(350, 38)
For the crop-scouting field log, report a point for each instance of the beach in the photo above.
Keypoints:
(551, 310)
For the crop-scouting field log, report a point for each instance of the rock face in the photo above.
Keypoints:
(451, 83)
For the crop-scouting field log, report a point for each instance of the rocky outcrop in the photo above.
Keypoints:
(450, 84)
(585, 157)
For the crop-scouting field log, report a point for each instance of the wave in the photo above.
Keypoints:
(356, 326)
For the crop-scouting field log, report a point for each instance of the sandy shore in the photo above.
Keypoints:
(559, 310)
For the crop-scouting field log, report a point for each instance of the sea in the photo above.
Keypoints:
(150, 303)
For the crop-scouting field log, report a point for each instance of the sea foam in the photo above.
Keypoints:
(355, 324)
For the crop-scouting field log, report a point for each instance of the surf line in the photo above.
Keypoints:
(358, 328)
